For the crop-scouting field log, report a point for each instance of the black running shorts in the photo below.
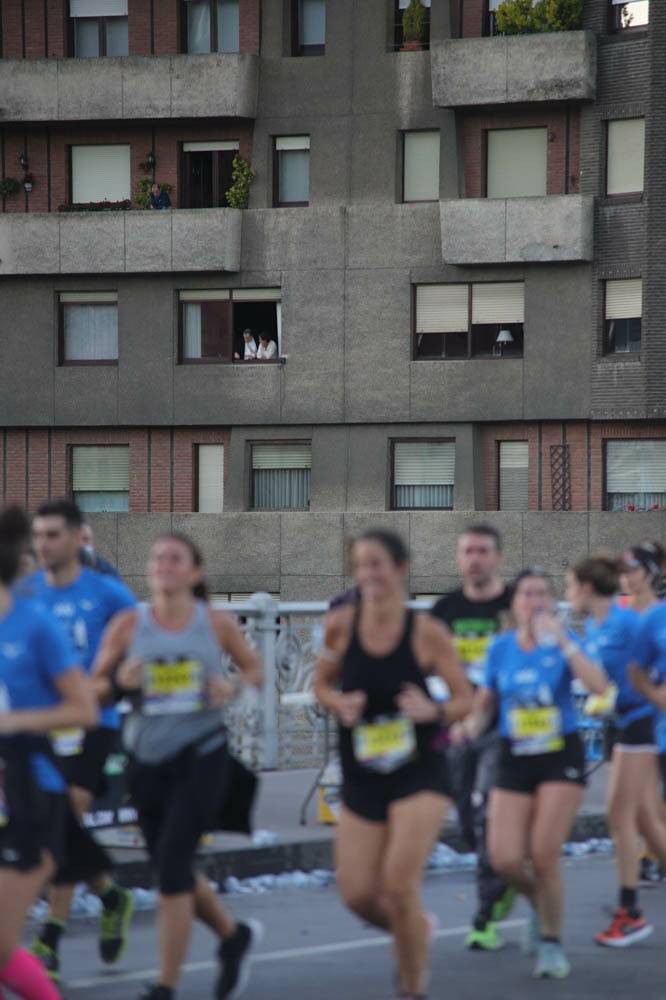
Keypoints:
(86, 769)
(637, 736)
(370, 795)
(524, 774)
(33, 830)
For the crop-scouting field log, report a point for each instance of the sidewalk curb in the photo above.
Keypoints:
(296, 855)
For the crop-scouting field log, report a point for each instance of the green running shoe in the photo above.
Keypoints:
(484, 939)
(504, 905)
(48, 957)
(113, 927)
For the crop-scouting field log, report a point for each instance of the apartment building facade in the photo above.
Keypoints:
(457, 252)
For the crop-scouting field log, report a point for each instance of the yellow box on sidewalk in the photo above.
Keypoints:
(328, 804)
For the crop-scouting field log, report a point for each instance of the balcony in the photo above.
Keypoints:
(518, 230)
(476, 72)
(128, 88)
(121, 242)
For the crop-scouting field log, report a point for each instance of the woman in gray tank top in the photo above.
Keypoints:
(166, 657)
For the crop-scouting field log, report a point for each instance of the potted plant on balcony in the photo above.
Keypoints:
(238, 195)
(414, 26)
(523, 17)
(8, 187)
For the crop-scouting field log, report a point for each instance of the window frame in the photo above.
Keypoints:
(181, 360)
(196, 487)
(469, 356)
(214, 40)
(416, 440)
(277, 154)
(251, 497)
(606, 441)
(64, 362)
(397, 32)
(297, 48)
(607, 352)
(500, 442)
(615, 26)
(70, 471)
(101, 32)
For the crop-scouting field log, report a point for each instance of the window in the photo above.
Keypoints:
(629, 14)
(100, 477)
(399, 7)
(292, 170)
(625, 156)
(212, 321)
(100, 173)
(420, 181)
(211, 26)
(88, 328)
(206, 173)
(490, 27)
(516, 165)
(309, 27)
(512, 475)
(635, 475)
(209, 478)
(281, 476)
(98, 28)
(623, 312)
(423, 474)
(460, 321)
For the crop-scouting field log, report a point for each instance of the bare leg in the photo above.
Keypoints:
(209, 910)
(651, 811)
(18, 890)
(509, 821)
(556, 806)
(360, 846)
(174, 922)
(413, 826)
(627, 787)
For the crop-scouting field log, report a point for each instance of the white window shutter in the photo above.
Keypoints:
(624, 299)
(513, 475)
(626, 156)
(498, 302)
(442, 308)
(211, 478)
(517, 162)
(100, 173)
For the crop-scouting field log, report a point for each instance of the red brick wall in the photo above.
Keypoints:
(473, 18)
(167, 146)
(474, 147)
(51, 17)
(37, 463)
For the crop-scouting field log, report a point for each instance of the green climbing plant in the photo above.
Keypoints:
(9, 186)
(238, 195)
(525, 17)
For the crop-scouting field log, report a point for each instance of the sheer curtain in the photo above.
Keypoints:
(198, 26)
(281, 489)
(91, 332)
(192, 330)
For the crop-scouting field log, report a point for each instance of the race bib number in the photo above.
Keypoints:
(470, 649)
(535, 730)
(67, 742)
(385, 745)
(4, 805)
(173, 688)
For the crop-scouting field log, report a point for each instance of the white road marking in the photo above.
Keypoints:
(285, 955)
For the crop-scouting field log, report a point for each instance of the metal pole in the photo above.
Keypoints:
(266, 628)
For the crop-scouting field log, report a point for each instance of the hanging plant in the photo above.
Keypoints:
(9, 186)
(238, 195)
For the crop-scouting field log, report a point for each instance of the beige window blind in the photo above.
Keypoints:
(513, 475)
(421, 166)
(626, 156)
(517, 160)
(442, 308)
(624, 298)
(211, 478)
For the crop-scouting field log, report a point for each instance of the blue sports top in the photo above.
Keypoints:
(649, 649)
(84, 607)
(33, 652)
(611, 643)
(528, 682)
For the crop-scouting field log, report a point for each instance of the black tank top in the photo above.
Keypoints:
(381, 678)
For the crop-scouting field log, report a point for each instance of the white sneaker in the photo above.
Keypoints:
(551, 962)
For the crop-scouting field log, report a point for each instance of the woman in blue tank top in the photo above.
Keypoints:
(611, 633)
(41, 689)
(166, 657)
(371, 674)
(540, 779)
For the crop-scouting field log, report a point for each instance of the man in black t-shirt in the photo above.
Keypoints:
(474, 615)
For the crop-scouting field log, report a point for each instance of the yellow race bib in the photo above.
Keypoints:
(535, 730)
(385, 745)
(67, 742)
(173, 688)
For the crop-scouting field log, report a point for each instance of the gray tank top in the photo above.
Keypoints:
(171, 712)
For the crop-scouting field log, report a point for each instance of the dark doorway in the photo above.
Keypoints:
(206, 178)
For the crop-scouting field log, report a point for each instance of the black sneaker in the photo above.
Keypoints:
(156, 993)
(234, 955)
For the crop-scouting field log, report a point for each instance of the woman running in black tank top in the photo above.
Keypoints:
(371, 674)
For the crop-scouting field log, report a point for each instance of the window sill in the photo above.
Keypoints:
(497, 357)
(109, 363)
(630, 198)
(421, 508)
(238, 362)
(621, 357)
(278, 510)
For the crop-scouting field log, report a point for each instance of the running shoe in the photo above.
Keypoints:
(156, 993)
(551, 961)
(113, 927)
(504, 905)
(624, 930)
(484, 938)
(48, 957)
(532, 935)
(235, 955)
(650, 872)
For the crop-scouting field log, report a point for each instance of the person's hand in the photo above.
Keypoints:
(128, 675)
(236, 356)
(350, 707)
(221, 690)
(416, 705)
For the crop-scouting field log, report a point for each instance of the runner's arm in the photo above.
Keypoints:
(346, 706)
(233, 642)
(112, 651)
(77, 708)
(436, 656)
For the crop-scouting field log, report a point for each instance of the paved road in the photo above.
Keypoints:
(313, 948)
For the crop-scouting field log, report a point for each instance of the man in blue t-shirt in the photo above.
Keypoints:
(84, 602)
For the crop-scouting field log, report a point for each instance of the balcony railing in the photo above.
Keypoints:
(120, 242)
(554, 66)
(128, 88)
(518, 230)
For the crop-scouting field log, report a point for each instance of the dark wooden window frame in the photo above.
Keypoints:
(412, 440)
(64, 362)
(277, 154)
(214, 40)
(470, 327)
(181, 360)
(280, 441)
(101, 27)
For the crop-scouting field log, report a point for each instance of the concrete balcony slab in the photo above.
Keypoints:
(518, 230)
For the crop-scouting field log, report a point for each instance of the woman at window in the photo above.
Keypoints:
(371, 674)
(267, 348)
(540, 780)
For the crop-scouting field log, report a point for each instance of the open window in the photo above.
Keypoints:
(206, 173)
(623, 315)
(399, 7)
(211, 323)
(629, 15)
